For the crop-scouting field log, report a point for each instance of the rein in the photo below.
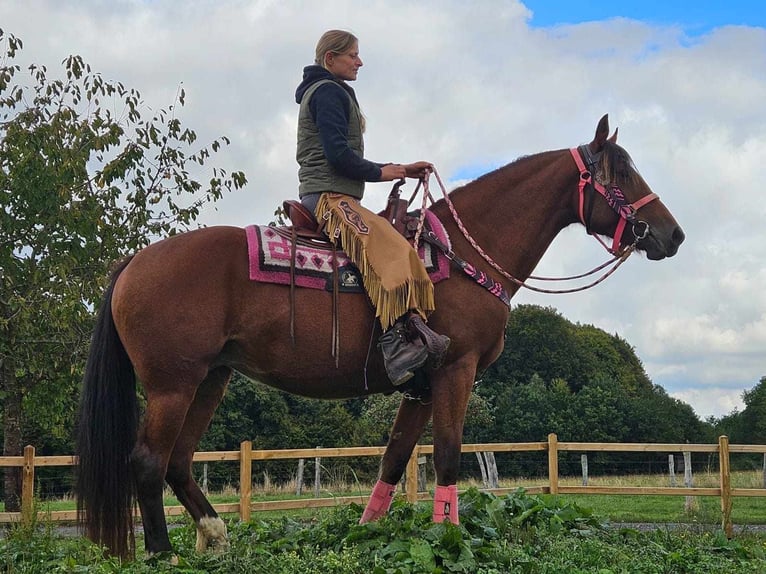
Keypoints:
(614, 198)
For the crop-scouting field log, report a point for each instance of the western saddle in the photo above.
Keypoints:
(306, 226)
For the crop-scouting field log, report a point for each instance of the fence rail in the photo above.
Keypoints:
(246, 456)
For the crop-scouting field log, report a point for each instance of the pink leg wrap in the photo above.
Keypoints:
(445, 504)
(380, 501)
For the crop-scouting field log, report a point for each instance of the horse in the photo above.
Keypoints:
(182, 314)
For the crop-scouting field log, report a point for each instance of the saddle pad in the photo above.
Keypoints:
(270, 251)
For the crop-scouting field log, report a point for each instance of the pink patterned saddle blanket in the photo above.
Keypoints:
(270, 253)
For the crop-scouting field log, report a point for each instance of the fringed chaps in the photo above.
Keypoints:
(394, 276)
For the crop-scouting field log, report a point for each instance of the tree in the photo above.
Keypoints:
(601, 355)
(84, 181)
(538, 341)
(752, 424)
(599, 412)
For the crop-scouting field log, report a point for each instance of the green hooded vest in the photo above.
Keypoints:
(315, 173)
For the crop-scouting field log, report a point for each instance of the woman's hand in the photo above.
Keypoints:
(392, 171)
(419, 169)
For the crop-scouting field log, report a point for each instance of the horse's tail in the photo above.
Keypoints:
(108, 420)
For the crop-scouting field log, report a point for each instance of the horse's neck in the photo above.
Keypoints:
(515, 212)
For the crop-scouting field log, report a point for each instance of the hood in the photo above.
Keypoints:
(311, 75)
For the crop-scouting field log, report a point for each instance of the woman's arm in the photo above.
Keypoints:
(330, 107)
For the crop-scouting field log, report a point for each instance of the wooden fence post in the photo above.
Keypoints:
(492, 475)
(690, 503)
(584, 465)
(482, 469)
(28, 486)
(723, 453)
(764, 470)
(553, 463)
(422, 476)
(672, 469)
(299, 478)
(317, 475)
(245, 479)
(411, 486)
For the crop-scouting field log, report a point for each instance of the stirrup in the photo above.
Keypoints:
(436, 344)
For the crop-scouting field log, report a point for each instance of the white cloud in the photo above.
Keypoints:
(692, 335)
(465, 84)
(713, 401)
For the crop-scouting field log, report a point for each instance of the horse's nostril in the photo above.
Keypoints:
(678, 236)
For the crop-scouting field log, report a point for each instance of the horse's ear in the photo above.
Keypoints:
(602, 133)
(613, 138)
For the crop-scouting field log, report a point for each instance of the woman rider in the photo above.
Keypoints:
(332, 175)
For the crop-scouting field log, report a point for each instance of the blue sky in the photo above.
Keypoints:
(694, 17)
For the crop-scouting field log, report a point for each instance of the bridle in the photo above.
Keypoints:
(614, 197)
(587, 162)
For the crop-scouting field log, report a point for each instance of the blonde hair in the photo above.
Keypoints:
(335, 41)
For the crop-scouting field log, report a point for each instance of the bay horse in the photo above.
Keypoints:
(182, 314)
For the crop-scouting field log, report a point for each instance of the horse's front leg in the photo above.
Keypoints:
(451, 390)
(408, 426)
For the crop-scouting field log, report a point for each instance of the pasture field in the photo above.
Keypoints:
(515, 533)
(703, 510)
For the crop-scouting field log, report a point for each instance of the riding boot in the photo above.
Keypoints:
(401, 355)
(436, 344)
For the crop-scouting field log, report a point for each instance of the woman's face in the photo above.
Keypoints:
(346, 65)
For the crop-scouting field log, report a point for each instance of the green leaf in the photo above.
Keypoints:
(422, 554)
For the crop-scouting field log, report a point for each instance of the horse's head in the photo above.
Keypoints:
(627, 210)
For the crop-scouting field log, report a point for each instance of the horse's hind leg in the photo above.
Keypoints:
(162, 422)
(211, 531)
(408, 426)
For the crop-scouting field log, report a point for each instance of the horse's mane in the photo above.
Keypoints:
(616, 166)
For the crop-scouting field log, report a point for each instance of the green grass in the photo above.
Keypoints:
(671, 509)
(615, 508)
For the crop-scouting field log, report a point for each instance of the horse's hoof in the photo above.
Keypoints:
(211, 535)
(171, 557)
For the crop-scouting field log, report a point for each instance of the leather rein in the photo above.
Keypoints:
(614, 197)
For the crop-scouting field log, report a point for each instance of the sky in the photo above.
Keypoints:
(471, 86)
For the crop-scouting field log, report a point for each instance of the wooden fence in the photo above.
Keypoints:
(246, 456)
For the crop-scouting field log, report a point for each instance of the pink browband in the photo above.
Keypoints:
(626, 211)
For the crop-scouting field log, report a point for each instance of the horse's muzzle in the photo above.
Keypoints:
(661, 245)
